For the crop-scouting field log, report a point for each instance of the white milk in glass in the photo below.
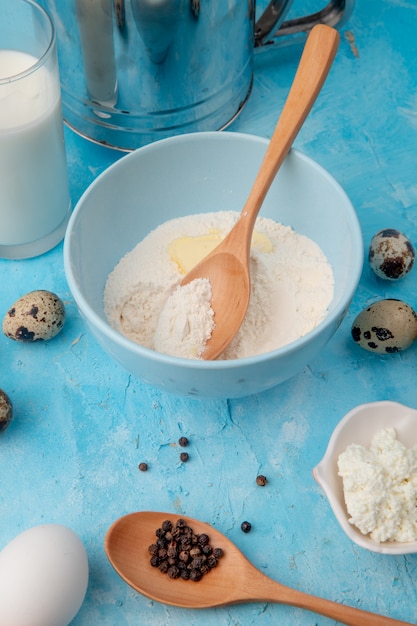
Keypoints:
(34, 196)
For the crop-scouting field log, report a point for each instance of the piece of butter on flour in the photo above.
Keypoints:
(187, 251)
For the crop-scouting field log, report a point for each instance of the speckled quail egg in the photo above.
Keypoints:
(6, 410)
(385, 327)
(36, 316)
(391, 254)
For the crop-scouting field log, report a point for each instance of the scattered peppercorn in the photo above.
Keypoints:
(183, 441)
(182, 553)
(143, 467)
(261, 480)
(246, 526)
(184, 456)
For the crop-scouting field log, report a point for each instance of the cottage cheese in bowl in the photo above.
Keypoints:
(380, 487)
(369, 475)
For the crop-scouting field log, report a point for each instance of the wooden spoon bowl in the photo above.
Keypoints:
(234, 580)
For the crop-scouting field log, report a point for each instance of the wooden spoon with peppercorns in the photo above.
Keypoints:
(234, 580)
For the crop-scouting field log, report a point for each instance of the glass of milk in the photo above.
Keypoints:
(34, 194)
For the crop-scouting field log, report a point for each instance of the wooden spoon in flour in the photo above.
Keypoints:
(227, 266)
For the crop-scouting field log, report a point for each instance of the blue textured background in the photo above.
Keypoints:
(82, 424)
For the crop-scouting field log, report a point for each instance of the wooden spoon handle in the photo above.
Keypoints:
(316, 60)
(341, 612)
(262, 588)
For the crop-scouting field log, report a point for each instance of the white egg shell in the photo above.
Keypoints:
(43, 577)
(391, 254)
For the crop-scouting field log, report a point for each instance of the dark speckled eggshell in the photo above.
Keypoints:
(385, 327)
(36, 316)
(6, 410)
(391, 254)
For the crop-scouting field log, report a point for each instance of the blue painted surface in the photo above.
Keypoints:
(82, 424)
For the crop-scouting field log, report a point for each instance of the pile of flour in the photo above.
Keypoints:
(291, 288)
(186, 321)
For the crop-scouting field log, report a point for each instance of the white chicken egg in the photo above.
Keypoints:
(43, 577)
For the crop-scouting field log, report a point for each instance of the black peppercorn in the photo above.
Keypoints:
(183, 441)
(261, 480)
(197, 562)
(162, 553)
(211, 561)
(246, 526)
(176, 533)
(195, 575)
(173, 572)
(203, 539)
(143, 467)
(184, 456)
(207, 549)
(184, 556)
(172, 549)
(180, 552)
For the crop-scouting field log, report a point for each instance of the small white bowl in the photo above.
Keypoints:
(359, 426)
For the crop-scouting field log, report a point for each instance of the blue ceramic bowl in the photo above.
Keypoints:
(198, 173)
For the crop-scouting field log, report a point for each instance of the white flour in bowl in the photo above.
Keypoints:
(291, 289)
(186, 321)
